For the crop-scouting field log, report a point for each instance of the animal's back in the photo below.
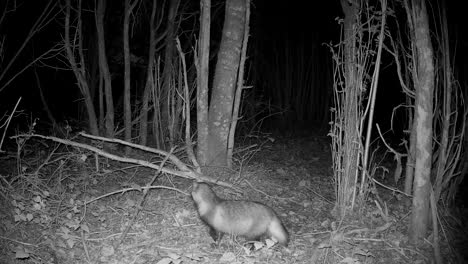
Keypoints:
(245, 218)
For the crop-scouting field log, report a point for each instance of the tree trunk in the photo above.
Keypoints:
(149, 78)
(351, 106)
(424, 84)
(104, 68)
(240, 86)
(224, 82)
(168, 71)
(78, 67)
(127, 69)
(102, 109)
(202, 82)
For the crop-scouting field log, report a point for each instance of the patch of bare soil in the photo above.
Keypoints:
(64, 206)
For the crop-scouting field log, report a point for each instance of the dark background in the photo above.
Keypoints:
(302, 23)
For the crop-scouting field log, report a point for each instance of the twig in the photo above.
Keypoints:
(8, 123)
(398, 156)
(382, 213)
(19, 242)
(143, 199)
(368, 239)
(398, 250)
(101, 238)
(396, 153)
(390, 188)
(376, 230)
(3, 191)
(319, 195)
(372, 97)
(133, 189)
(47, 160)
(83, 241)
(48, 15)
(188, 139)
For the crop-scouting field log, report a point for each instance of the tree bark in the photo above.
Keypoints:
(104, 68)
(202, 81)
(424, 84)
(224, 82)
(409, 175)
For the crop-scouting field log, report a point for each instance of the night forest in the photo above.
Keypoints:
(233, 131)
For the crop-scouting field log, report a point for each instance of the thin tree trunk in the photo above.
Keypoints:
(168, 70)
(102, 109)
(351, 104)
(104, 68)
(149, 78)
(178, 104)
(44, 101)
(93, 67)
(240, 85)
(424, 84)
(444, 148)
(224, 82)
(127, 69)
(188, 139)
(78, 68)
(372, 96)
(410, 99)
(202, 64)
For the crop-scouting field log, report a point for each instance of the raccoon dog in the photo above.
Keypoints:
(251, 220)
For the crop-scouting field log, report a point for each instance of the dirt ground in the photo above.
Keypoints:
(46, 220)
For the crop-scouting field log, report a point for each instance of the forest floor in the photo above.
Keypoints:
(44, 218)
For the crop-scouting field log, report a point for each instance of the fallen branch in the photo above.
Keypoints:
(134, 189)
(184, 171)
(182, 166)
